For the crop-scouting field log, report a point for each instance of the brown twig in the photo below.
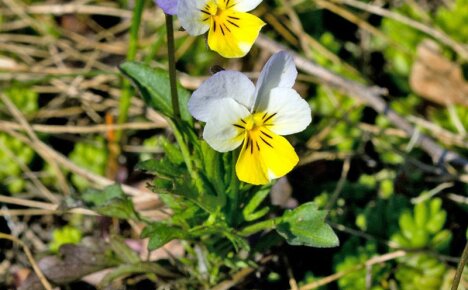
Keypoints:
(461, 266)
(69, 129)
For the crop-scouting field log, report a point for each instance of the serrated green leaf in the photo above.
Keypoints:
(173, 152)
(161, 167)
(305, 225)
(100, 197)
(154, 87)
(121, 207)
(161, 233)
(112, 202)
(213, 168)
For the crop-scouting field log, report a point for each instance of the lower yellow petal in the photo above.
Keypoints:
(265, 156)
(233, 33)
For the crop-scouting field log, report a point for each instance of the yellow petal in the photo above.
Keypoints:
(265, 156)
(233, 33)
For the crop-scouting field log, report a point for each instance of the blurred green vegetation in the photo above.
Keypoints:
(378, 205)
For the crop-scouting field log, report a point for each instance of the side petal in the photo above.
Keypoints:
(191, 17)
(279, 71)
(292, 113)
(224, 84)
(265, 156)
(280, 158)
(233, 33)
(243, 5)
(220, 132)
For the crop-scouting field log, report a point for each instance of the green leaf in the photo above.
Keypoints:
(100, 197)
(126, 270)
(161, 233)
(120, 208)
(213, 167)
(112, 202)
(154, 87)
(250, 212)
(305, 226)
(161, 167)
(122, 250)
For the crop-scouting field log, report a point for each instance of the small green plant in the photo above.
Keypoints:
(91, 155)
(352, 256)
(66, 235)
(424, 228)
(14, 154)
(420, 271)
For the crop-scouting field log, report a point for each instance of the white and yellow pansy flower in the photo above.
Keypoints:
(239, 114)
(232, 31)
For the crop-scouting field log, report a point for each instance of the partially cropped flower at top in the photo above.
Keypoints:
(239, 114)
(232, 31)
(168, 6)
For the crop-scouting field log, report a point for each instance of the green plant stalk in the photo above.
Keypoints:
(260, 226)
(125, 98)
(234, 191)
(172, 67)
(187, 156)
(461, 266)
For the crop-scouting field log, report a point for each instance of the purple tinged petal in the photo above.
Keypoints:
(168, 6)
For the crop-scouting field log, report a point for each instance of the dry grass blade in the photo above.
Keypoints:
(432, 32)
(368, 263)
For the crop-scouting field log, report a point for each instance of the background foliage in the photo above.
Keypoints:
(400, 216)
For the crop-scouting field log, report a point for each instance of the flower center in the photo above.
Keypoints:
(254, 130)
(219, 11)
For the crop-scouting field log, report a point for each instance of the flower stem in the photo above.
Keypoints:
(172, 67)
(260, 226)
(461, 266)
(125, 98)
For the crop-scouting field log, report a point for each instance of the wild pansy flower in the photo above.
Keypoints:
(168, 6)
(239, 114)
(232, 31)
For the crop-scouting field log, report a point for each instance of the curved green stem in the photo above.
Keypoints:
(260, 226)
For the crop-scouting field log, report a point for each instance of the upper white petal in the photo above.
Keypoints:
(224, 84)
(246, 5)
(190, 16)
(219, 131)
(279, 71)
(293, 113)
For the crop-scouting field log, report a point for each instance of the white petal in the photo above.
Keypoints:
(219, 132)
(190, 16)
(292, 112)
(224, 84)
(246, 5)
(279, 71)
